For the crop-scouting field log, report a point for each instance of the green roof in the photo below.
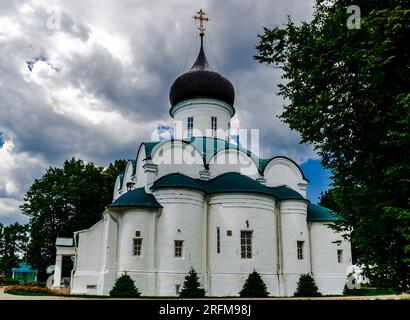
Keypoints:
(136, 198)
(316, 212)
(24, 268)
(209, 147)
(228, 182)
(148, 148)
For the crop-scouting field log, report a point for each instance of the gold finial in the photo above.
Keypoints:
(201, 17)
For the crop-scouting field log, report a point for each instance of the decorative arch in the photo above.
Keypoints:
(129, 174)
(284, 171)
(177, 156)
(233, 160)
(140, 177)
(118, 186)
(269, 162)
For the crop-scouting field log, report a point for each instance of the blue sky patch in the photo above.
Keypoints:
(1, 140)
(31, 63)
(319, 179)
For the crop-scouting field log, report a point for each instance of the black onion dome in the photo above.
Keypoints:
(201, 82)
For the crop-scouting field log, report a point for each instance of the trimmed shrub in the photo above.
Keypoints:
(125, 287)
(192, 287)
(307, 287)
(254, 287)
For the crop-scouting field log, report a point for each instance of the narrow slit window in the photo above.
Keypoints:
(214, 125)
(190, 127)
(340, 256)
(218, 240)
(300, 245)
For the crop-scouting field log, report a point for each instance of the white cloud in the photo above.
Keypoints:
(104, 85)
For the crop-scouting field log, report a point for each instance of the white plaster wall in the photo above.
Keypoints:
(228, 270)
(281, 171)
(107, 276)
(330, 276)
(89, 259)
(130, 221)
(177, 156)
(202, 113)
(181, 219)
(231, 160)
(294, 228)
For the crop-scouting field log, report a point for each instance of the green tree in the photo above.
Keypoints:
(348, 93)
(62, 201)
(124, 287)
(254, 286)
(13, 246)
(192, 286)
(307, 287)
(328, 199)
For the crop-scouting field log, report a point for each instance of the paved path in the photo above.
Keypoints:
(5, 296)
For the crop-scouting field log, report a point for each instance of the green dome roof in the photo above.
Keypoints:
(228, 182)
(225, 183)
(136, 198)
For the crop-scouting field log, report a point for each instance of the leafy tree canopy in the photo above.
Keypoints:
(65, 200)
(348, 93)
(13, 246)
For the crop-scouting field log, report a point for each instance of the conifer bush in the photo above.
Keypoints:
(192, 286)
(307, 287)
(254, 286)
(124, 287)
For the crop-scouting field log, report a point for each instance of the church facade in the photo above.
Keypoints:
(200, 201)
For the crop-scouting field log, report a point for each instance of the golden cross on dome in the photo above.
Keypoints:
(201, 17)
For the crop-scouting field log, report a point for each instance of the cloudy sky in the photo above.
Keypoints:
(90, 79)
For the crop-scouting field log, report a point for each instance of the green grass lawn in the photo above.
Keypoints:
(28, 293)
(361, 293)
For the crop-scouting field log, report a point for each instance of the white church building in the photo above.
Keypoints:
(200, 201)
